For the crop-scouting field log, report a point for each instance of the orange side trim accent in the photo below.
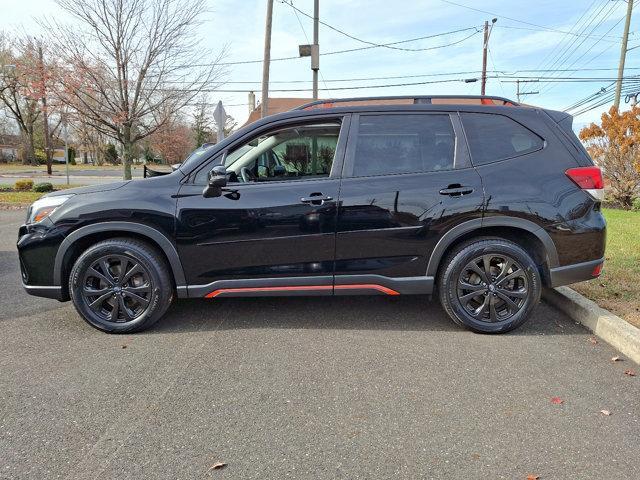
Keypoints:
(215, 293)
(367, 286)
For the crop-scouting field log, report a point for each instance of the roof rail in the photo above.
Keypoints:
(411, 100)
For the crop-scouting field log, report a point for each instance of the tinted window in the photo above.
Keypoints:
(496, 137)
(286, 154)
(292, 153)
(403, 144)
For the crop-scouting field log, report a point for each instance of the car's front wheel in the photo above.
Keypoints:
(121, 285)
(489, 285)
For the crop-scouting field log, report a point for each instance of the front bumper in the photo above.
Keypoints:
(54, 292)
(578, 272)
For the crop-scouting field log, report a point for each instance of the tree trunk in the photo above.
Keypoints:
(45, 114)
(126, 161)
(30, 157)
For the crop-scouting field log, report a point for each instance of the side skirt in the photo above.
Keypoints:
(311, 286)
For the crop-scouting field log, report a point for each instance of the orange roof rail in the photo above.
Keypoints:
(411, 100)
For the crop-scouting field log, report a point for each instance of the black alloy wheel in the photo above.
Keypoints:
(489, 285)
(492, 287)
(117, 288)
(121, 285)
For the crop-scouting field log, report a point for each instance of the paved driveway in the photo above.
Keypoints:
(305, 388)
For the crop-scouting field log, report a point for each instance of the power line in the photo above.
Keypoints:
(504, 73)
(429, 82)
(569, 50)
(575, 25)
(531, 29)
(590, 48)
(608, 99)
(353, 37)
(550, 29)
(245, 62)
(601, 97)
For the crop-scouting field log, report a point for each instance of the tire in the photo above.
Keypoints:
(469, 303)
(99, 291)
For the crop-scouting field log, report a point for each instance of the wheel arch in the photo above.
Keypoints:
(519, 230)
(78, 240)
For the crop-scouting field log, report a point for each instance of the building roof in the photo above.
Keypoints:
(277, 105)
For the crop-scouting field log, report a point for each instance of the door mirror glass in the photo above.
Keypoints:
(217, 180)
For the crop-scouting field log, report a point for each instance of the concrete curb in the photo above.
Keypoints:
(612, 329)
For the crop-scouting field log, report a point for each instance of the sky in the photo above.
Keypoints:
(527, 36)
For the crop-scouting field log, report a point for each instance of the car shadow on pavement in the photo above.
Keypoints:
(410, 313)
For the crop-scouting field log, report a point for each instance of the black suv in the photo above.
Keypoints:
(476, 199)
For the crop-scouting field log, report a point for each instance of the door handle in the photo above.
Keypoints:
(316, 199)
(456, 190)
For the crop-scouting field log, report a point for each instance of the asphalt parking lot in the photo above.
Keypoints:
(351, 387)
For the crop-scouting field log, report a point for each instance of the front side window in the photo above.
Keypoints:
(494, 137)
(292, 153)
(388, 144)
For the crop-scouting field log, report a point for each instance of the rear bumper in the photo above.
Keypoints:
(44, 291)
(577, 272)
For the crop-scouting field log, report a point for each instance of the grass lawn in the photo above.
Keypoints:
(618, 288)
(13, 199)
(57, 167)
(19, 198)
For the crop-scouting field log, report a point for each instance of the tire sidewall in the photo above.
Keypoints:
(475, 250)
(152, 313)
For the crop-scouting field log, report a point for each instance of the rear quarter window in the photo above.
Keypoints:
(493, 137)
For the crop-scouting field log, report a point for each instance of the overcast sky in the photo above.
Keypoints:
(528, 35)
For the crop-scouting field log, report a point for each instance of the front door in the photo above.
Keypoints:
(273, 229)
(407, 180)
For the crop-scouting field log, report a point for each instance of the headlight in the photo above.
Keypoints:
(41, 209)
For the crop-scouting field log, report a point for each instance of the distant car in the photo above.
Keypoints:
(477, 200)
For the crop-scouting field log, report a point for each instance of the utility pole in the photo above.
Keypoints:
(45, 113)
(315, 49)
(66, 144)
(519, 93)
(267, 60)
(623, 54)
(485, 48)
(483, 86)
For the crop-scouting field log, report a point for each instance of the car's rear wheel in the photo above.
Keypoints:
(121, 285)
(489, 285)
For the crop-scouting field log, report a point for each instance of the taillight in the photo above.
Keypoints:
(597, 270)
(588, 179)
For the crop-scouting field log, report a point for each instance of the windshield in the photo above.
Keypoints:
(195, 156)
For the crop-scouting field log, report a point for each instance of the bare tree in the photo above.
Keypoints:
(133, 64)
(18, 88)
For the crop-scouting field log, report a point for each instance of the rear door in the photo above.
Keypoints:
(407, 179)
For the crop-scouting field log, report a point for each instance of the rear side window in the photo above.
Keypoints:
(496, 137)
(389, 144)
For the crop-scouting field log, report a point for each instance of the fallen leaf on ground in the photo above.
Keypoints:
(631, 373)
(556, 400)
(218, 466)
(606, 413)
(593, 340)
(616, 359)
(533, 477)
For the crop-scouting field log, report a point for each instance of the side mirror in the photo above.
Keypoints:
(217, 180)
